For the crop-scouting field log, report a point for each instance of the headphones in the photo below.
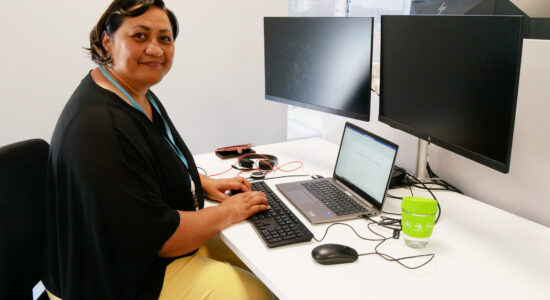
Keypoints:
(265, 161)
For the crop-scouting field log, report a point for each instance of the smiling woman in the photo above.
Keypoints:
(125, 217)
(141, 50)
(137, 52)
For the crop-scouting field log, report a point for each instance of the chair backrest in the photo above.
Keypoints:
(22, 212)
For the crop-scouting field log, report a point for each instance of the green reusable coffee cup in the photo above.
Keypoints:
(417, 220)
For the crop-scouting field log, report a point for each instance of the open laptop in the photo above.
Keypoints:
(361, 177)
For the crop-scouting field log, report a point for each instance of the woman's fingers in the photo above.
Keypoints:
(245, 182)
(257, 198)
(252, 203)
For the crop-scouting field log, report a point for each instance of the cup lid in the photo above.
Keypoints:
(419, 205)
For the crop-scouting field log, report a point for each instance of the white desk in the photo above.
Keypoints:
(481, 252)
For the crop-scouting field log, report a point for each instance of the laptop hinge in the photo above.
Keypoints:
(353, 194)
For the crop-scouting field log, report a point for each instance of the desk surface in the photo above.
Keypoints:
(481, 252)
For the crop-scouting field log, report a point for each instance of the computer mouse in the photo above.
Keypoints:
(330, 254)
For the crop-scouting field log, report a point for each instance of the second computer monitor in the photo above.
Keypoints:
(321, 63)
(453, 80)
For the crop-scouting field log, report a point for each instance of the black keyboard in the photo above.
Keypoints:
(277, 226)
(334, 198)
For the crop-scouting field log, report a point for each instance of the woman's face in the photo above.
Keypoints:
(142, 48)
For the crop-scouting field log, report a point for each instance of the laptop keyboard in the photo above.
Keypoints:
(334, 198)
(277, 226)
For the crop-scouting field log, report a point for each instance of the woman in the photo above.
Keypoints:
(125, 198)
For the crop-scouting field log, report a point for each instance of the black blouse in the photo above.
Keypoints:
(114, 185)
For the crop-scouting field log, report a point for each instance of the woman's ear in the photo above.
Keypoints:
(106, 41)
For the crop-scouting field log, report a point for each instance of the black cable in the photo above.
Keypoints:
(444, 186)
(390, 223)
(389, 257)
(392, 196)
(386, 223)
(432, 174)
(344, 224)
(434, 180)
(398, 260)
(267, 178)
(430, 191)
(433, 188)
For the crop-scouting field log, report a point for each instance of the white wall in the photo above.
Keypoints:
(523, 191)
(214, 92)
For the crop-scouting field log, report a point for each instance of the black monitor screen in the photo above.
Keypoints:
(321, 63)
(453, 80)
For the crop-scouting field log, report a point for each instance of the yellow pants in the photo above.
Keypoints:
(214, 272)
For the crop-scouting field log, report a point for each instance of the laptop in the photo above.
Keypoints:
(358, 185)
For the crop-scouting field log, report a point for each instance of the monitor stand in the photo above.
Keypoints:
(421, 171)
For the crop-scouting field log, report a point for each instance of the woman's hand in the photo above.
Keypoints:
(215, 188)
(197, 227)
(244, 205)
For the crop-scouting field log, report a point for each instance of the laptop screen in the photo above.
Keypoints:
(364, 163)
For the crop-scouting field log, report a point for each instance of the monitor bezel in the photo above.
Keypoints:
(296, 102)
(503, 167)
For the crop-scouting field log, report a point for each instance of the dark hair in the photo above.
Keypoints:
(113, 17)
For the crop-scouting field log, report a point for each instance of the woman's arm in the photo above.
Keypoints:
(197, 227)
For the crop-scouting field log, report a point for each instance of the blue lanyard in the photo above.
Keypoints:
(169, 138)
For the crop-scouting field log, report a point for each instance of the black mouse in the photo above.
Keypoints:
(329, 254)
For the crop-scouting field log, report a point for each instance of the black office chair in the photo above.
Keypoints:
(22, 217)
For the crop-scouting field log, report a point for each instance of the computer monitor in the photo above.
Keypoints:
(320, 63)
(453, 81)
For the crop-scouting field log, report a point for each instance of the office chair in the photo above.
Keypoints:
(22, 217)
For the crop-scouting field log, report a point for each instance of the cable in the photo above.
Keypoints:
(284, 176)
(398, 260)
(238, 160)
(393, 197)
(434, 176)
(381, 240)
(433, 180)
(344, 224)
(220, 173)
(280, 168)
(274, 168)
(390, 223)
(199, 168)
(430, 191)
(389, 257)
